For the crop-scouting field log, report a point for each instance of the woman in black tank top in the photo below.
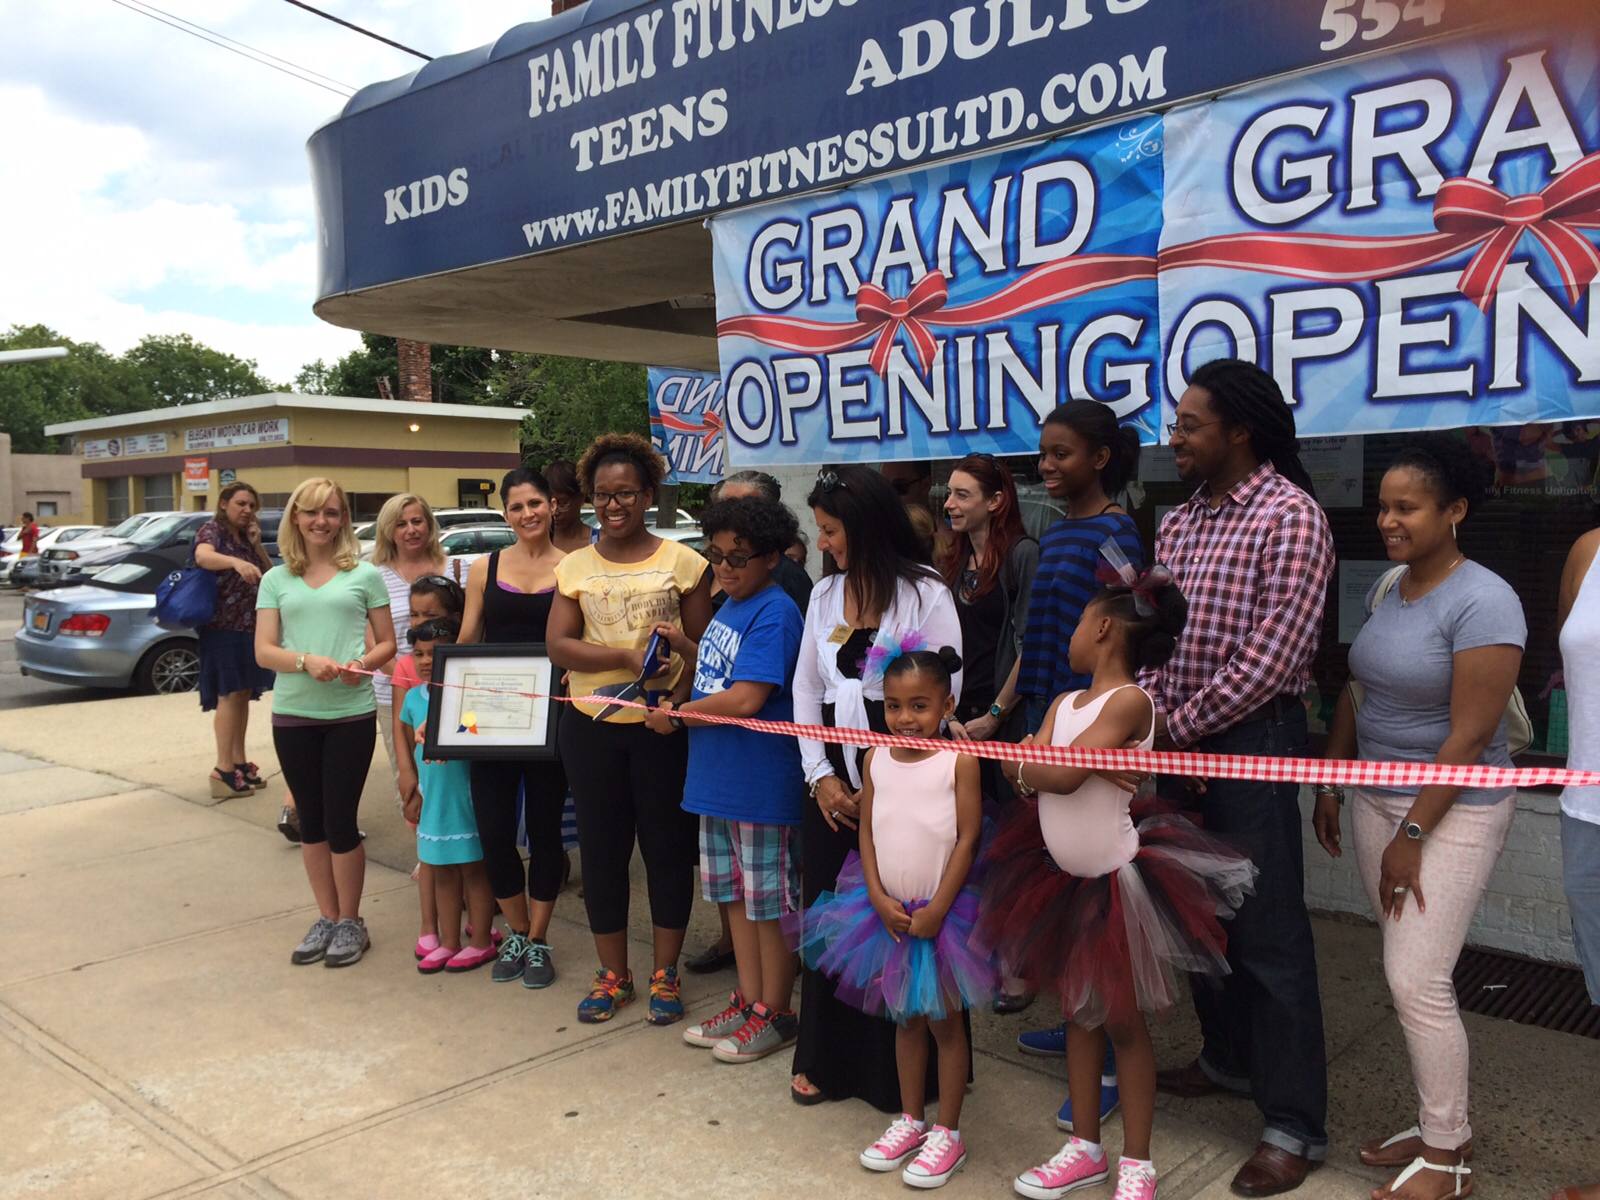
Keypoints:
(508, 603)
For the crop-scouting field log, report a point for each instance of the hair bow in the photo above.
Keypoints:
(886, 649)
(1117, 570)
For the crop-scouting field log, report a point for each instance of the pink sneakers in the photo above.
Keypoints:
(899, 1142)
(434, 960)
(1071, 1169)
(941, 1156)
(1135, 1181)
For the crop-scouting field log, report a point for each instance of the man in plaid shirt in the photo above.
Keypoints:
(1252, 552)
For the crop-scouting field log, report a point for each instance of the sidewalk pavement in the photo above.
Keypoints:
(159, 1043)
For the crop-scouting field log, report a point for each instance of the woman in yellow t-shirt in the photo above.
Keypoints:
(627, 781)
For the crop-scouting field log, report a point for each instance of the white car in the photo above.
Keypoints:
(56, 560)
(11, 548)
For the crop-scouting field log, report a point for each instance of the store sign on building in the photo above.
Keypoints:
(619, 117)
(1407, 243)
(686, 423)
(121, 447)
(948, 311)
(269, 431)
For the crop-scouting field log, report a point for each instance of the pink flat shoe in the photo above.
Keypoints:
(435, 960)
(495, 936)
(427, 944)
(471, 958)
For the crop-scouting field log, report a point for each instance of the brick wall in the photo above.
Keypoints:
(416, 371)
(1524, 909)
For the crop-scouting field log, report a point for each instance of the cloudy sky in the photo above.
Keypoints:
(153, 183)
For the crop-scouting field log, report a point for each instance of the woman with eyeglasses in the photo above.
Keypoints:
(627, 781)
(509, 597)
(878, 585)
(567, 529)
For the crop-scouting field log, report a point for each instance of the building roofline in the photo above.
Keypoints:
(187, 413)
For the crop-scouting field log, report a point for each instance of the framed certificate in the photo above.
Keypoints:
(493, 702)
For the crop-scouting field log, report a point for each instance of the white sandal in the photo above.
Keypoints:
(1420, 1164)
(1375, 1157)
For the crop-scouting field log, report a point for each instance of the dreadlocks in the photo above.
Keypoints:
(1243, 394)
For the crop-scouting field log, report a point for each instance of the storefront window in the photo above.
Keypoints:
(117, 507)
(158, 495)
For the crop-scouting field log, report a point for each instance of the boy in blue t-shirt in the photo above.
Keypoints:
(746, 786)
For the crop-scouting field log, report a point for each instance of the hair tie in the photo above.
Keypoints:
(886, 649)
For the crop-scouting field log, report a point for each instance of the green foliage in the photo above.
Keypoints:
(171, 369)
(571, 401)
(312, 379)
(461, 374)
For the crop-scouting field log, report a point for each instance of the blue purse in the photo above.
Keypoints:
(187, 598)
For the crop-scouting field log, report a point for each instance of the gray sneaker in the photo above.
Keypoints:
(766, 1032)
(315, 944)
(708, 1033)
(513, 958)
(350, 942)
(538, 971)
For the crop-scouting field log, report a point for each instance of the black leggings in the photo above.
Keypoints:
(494, 803)
(325, 767)
(627, 780)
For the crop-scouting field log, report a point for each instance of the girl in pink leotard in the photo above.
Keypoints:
(895, 933)
(1102, 897)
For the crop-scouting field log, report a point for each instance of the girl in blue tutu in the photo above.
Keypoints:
(894, 933)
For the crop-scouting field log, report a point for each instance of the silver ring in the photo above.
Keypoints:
(836, 815)
(1399, 890)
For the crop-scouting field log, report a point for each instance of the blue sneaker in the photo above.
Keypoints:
(1046, 1043)
(1110, 1097)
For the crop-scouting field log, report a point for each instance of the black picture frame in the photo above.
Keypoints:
(483, 682)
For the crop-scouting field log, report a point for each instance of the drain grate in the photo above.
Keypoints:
(1495, 984)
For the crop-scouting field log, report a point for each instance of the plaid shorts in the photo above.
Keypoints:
(740, 860)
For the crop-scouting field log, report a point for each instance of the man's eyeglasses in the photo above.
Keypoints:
(1187, 431)
(621, 499)
(737, 561)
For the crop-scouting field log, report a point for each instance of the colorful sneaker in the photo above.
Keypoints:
(427, 944)
(608, 994)
(1046, 1043)
(315, 944)
(709, 1032)
(470, 958)
(537, 969)
(899, 1142)
(766, 1032)
(513, 958)
(435, 960)
(1135, 1181)
(941, 1156)
(349, 943)
(1073, 1168)
(666, 1005)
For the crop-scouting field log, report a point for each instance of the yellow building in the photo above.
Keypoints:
(165, 459)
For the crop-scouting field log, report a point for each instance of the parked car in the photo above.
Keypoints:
(105, 634)
(117, 535)
(270, 519)
(11, 548)
(472, 542)
(171, 539)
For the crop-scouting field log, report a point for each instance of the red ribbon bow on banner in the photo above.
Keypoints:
(1554, 216)
(879, 313)
(1468, 215)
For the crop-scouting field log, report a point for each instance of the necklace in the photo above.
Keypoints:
(1426, 588)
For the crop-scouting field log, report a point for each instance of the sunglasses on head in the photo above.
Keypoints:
(443, 581)
(829, 481)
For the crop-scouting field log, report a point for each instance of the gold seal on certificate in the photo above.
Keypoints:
(492, 701)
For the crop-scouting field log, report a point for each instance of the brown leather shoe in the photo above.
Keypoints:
(1190, 1081)
(1271, 1170)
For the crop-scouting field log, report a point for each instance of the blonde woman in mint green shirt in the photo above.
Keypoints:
(311, 619)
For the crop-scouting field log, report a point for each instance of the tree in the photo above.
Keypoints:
(87, 383)
(313, 379)
(171, 369)
(461, 374)
(571, 401)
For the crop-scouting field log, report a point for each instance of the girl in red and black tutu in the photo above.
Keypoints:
(895, 933)
(1101, 897)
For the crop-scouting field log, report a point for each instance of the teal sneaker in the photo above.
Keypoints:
(608, 994)
(666, 1006)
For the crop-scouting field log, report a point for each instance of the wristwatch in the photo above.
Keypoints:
(996, 711)
(676, 721)
(1412, 830)
(300, 664)
(1328, 789)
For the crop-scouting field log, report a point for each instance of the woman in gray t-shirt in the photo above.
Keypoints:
(1437, 661)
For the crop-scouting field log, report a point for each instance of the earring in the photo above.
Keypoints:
(1452, 531)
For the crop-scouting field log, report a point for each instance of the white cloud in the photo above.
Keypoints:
(152, 183)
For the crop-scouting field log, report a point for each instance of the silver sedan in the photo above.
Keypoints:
(105, 635)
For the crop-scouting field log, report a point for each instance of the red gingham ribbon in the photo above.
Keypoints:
(1466, 214)
(882, 317)
(1344, 772)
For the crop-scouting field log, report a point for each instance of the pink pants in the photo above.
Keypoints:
(1420, 949)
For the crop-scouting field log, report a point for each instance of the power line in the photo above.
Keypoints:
(377, 37)
(293, 70)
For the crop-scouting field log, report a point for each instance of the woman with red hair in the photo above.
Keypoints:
(990, 569)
